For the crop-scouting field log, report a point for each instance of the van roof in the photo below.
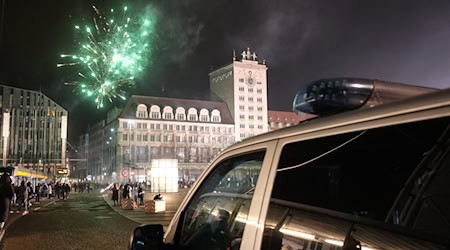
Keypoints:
(428, 101)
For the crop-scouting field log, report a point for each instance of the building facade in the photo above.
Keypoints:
(34, 130)
(283, 119)
(242, 85)
(149, 128)
(130, 144)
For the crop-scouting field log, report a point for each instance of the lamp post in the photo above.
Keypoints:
(130, 124)
(5, 134)
(111, 151)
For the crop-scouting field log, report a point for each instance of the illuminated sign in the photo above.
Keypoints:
(63, 171)
(125, 172)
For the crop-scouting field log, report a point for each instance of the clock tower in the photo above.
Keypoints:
(243, 86)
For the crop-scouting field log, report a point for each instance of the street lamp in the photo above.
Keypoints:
(5, 135)
(130, 124)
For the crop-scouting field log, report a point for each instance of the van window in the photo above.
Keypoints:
(218, 212)
(323, 186)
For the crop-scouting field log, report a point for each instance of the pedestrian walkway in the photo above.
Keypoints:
(16, 214)
(173, 201)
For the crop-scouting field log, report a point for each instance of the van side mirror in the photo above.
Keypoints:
(147, 237)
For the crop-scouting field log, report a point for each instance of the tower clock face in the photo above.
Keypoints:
(250, 79)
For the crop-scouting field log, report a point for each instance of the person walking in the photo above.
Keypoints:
(121, 187)
(38, 193)
(115, 195)
(135, 193)
(6, 194)
(30, 194)
(141, 195)
(126, 191)
(50, 190)
(22, 198)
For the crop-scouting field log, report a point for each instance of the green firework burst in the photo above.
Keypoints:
(111, 53)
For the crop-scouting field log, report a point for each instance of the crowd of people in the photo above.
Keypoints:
(18, 197)
(133, 191)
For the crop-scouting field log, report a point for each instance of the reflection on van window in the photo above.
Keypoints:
(217, 215)
(345, 187)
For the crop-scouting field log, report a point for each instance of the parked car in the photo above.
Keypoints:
(376, 178)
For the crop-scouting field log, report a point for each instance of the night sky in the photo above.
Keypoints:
(301, 41)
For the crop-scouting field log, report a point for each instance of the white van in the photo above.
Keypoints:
(375, 178)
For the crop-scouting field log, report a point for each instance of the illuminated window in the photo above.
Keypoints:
(204, 115)
(155, 112)
(155, 115)
(215, 116)
(192, 114)
(168, 113)
(180, 114)
(141, 111)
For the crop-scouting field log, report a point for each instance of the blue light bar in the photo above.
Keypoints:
(335, 95)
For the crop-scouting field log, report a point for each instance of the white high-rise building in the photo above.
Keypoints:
(242, 85)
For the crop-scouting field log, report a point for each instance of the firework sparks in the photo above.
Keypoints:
(111, 53)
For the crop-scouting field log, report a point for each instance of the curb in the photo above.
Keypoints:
(12, 219)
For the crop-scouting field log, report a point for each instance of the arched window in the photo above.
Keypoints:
(204, 115)
(155, 112)
(180, 114)
(141, 111)
(168, 113)
(215, 116)
(192, 114)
